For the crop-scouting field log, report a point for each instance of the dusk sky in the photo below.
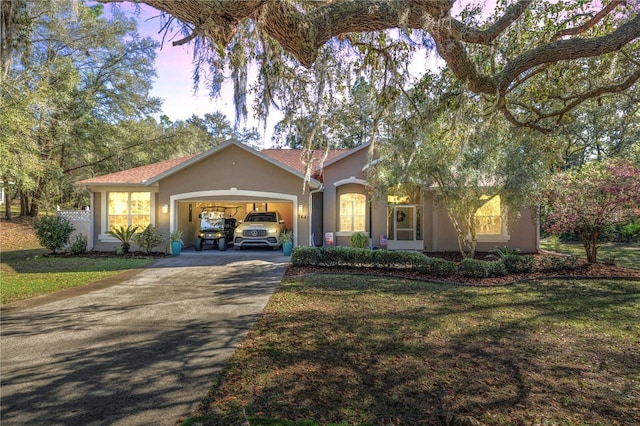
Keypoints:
(174, 66)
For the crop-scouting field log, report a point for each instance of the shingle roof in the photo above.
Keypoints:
(291, 158)
(297, 160)
(137, 175)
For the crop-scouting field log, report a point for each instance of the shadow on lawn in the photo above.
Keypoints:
(411, 353)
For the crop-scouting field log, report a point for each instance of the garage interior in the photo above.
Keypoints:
(189, 211)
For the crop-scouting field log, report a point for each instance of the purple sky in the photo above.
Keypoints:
(174, 66)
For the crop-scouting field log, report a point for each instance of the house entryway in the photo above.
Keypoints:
(404, 227)
(404, 218)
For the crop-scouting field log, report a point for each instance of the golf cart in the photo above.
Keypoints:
(216, 228)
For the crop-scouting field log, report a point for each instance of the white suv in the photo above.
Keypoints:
(259, 229)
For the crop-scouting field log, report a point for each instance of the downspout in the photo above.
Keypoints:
(371, 224)
(315, 191)
(91, 223)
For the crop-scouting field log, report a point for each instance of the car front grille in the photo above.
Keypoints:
(254, 233)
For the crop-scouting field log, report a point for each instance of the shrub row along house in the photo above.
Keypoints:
(323, 208)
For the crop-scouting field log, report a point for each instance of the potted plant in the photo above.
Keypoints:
(176, 242)
(286, 238)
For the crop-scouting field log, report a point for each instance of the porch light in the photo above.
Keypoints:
(165, 208)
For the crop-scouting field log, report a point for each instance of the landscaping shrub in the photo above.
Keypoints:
(359, 240)
(518, 263)
(500, 252)
(556, 263)
(349, 256)
(496, 269)
(474, 268)
(629, 232)
(149, 238)
(442, 267)
(304, 256)
(53, 232)
(78, 244)
(417, 261)
(387, 258)
(361, 256)
(125, 235)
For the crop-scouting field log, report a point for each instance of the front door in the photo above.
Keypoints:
(404, 227)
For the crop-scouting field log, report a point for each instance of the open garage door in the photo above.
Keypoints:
(208, 223)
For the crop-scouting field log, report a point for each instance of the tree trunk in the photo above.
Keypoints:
(24, 203)
(589, 238)
(7, 206)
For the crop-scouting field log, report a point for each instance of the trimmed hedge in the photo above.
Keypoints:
(377, 259)
(516, 263)
(474, 268)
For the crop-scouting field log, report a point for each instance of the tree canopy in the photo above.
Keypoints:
(75, 102)
(534, 60)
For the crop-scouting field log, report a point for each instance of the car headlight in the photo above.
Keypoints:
(273, 231)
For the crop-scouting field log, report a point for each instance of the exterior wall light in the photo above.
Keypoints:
(165, 208)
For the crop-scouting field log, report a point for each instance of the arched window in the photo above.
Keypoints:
(353, 212)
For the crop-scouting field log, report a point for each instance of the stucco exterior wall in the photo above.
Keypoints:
(236, 172)
(440, 235)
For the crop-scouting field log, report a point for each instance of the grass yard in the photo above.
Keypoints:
(370, 350)
(25, 272)
(624, 254)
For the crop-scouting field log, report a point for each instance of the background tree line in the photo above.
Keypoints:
(75, 102)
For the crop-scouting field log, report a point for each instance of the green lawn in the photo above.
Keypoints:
(27, 273)
(370, 350)
(625, 254)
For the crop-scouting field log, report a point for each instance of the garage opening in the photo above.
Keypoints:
(209, 224)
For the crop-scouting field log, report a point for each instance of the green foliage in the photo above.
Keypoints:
(176, 236)
(78, 244)
(359, 240)
(149, 238)
(125, 235)
(501, 252)
(442, 267)
(497, 269)
(71, 81)
(349, 256)
(53, 232)
(556, 263)
(517, 263)
(629, 231)
(474, 268)
(286, 237)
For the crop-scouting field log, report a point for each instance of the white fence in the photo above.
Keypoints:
(81, 221)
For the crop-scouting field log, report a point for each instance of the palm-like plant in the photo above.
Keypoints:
(125, 235)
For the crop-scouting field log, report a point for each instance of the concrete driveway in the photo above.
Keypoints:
(140, 348)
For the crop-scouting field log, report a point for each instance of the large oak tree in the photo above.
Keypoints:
(534, 60)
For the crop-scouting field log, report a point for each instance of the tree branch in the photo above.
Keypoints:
(590, 23)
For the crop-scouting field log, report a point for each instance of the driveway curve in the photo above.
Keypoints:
(139, 348)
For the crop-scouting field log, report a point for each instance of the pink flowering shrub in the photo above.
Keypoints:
(588, 200)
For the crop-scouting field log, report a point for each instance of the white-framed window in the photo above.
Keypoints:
(353, 212)
(128, 208)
